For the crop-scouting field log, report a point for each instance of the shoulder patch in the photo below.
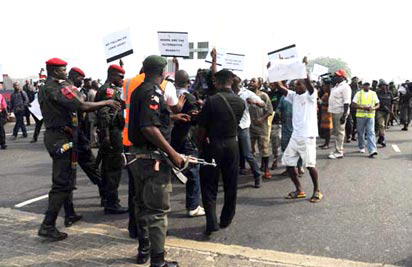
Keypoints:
(109, 92)
(68, 93)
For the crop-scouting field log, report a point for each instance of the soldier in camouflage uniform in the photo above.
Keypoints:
(110, 123)
(59, 103)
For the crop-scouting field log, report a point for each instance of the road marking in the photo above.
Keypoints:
(27, 202)
(396, 148)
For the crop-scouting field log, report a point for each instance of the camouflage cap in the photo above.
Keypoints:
(154, 62)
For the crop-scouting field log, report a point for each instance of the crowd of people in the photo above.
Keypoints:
(154, 125)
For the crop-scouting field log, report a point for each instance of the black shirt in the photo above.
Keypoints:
(217, 119)
(275, 96)
(148, 108)
(385, 100)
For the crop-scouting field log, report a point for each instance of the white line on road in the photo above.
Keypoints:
(27, 202)
(396, 148)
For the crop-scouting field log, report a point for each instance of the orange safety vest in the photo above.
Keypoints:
(129, 86)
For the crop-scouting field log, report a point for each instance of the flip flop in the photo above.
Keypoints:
(317, 196)
(296, 195)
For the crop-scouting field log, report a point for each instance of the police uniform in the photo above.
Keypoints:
(110, 121)
(221, 129)
(59, 103)
(152, 182)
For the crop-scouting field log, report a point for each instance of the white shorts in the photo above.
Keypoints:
(300, 147)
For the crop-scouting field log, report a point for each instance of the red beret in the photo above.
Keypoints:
(56, 62)
(117, 67)
(79, 71)
(341, 73)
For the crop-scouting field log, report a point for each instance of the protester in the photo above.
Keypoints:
(18, 104)
(384, 111)
(3, 119)
(303, 141)
(28, 89)
(339, 101)
(326, 124)
(259, 128)
(366, 102)
(405, 104)
(275, 95)
(249, 98)
(351, 121)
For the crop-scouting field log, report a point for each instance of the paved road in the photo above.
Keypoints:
(366, 214)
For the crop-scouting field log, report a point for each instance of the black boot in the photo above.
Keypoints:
(258, 181)
(383, 143)
(115, 209)
(48, 228)
(71, 216)
(158, 260)
(143, 254)
(211, 219)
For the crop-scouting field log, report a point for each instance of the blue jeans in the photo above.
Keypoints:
(246, 150)
(366, 125)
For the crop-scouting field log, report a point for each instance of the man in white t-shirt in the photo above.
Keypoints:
(303, 141)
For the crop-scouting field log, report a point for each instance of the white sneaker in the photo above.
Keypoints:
(199, 211)
(362, 150)
(336, 155)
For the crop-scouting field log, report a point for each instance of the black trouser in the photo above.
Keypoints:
(63, 175)
(27, 115)
(350, 128)
(226, 154)
(19, 124)
(111, 169)
(37, 128)
(3, 118)
(87, 160)
(130, 199)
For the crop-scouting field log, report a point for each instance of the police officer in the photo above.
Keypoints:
(59, 103)
(110, 123)
(86, 159)
(149, 131)
(218, 123)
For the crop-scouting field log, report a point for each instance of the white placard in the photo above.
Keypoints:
(234, 62)
(289, 53)
(35, 108)
(318, 70)
(173, 44)
(287, 71)
(117, 45)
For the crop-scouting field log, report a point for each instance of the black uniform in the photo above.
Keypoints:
(221, 128)
(152, 187)
(59, 103)
(110, 122)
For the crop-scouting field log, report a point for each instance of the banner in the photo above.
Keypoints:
(287, 71)
(117, 45)
(234, 62)
(173, 44)
(286, 53)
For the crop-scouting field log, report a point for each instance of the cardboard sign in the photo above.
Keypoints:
(234, 61)
(35, 108)
(173, 44)
(287, 71)
(285, 53)
(318, 70)
(117, 45)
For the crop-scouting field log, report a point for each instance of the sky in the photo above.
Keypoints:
(373, 37)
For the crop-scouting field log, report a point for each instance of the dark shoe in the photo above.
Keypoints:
(274, 165)
(404, 129)
(142, 257)
(258, 181)
(13, 138)
(33, 141)
(51, 232)
(24, 136)
(209, 232)
(224, 225)
(4, 147)
(380, 139)
(70, 220)
(347, 140)
(115, 209)
(354, 139)
(132, 232)
(373, 154)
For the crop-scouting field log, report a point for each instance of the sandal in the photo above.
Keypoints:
(296, 195)
(317, 196)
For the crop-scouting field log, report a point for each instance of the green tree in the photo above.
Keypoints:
(333, 64)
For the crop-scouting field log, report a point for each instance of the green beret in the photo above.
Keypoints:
(154, 62)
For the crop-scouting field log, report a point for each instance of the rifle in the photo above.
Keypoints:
(129, 158)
